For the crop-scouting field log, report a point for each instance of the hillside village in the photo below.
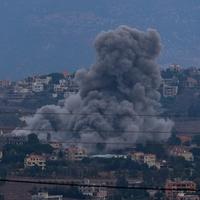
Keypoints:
(55, 85)
(173, 164)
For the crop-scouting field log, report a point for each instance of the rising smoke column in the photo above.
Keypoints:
(115, 93)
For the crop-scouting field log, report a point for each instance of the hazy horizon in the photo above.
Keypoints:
(45, 36)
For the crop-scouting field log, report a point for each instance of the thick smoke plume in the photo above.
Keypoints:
(115, 94)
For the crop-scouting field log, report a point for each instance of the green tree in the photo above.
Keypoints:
(174, 140)
(71, 192)
(159, 195)
(1, 197)
(33, 139)
(196, 140)
(3, 174)
(121, 181)
(154, 148)
(16, 153)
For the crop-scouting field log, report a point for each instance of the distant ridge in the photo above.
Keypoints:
(42, 36)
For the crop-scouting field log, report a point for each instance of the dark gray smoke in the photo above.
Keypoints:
(114, 93)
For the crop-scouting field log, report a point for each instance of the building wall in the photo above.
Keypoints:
(35, 160)
(170, 91)
(172, 194)
(46, 196)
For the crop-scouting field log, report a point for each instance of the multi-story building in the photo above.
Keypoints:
(188, 156)
(93, 192)
(13, 140)
(87, 191)
(44, 81)
(182, 152)
(23, 87)
(191, 82)
(170, 81)
(138, 156)
(33, 160)
(194, 71)
(173, 188)
(4, 83)
(58, 88)
(175, 68)
(46, 196)
(75, 153)
(21, 90)
(37, 87)
(170, 91)
(182, 196)
(101, 194)
(63, 82)
(150, 160)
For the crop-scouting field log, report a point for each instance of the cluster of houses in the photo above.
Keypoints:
(71, 153)
(180, 151)
(149, 159)
(174, 190)
(76, 154)
(152, 161)
(39, 84)
(46, 196)
(95, 193)
(171, 84)
(177, 78)
(181, 190)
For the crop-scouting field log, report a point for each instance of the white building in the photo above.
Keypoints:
(25, 90)
(74, 153)
(138, 157)
(183, 196)
(175, 68)
(101, 195)
(170, 81)
(22, 87)
(37, 87)
(59, 88)
(170, 91)
(46, 196)
(63, 82)
(93, 193)
(188, 156)
(35, 160)
(182, 152)
(54, 95)
(150, 160)
(44, 81)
